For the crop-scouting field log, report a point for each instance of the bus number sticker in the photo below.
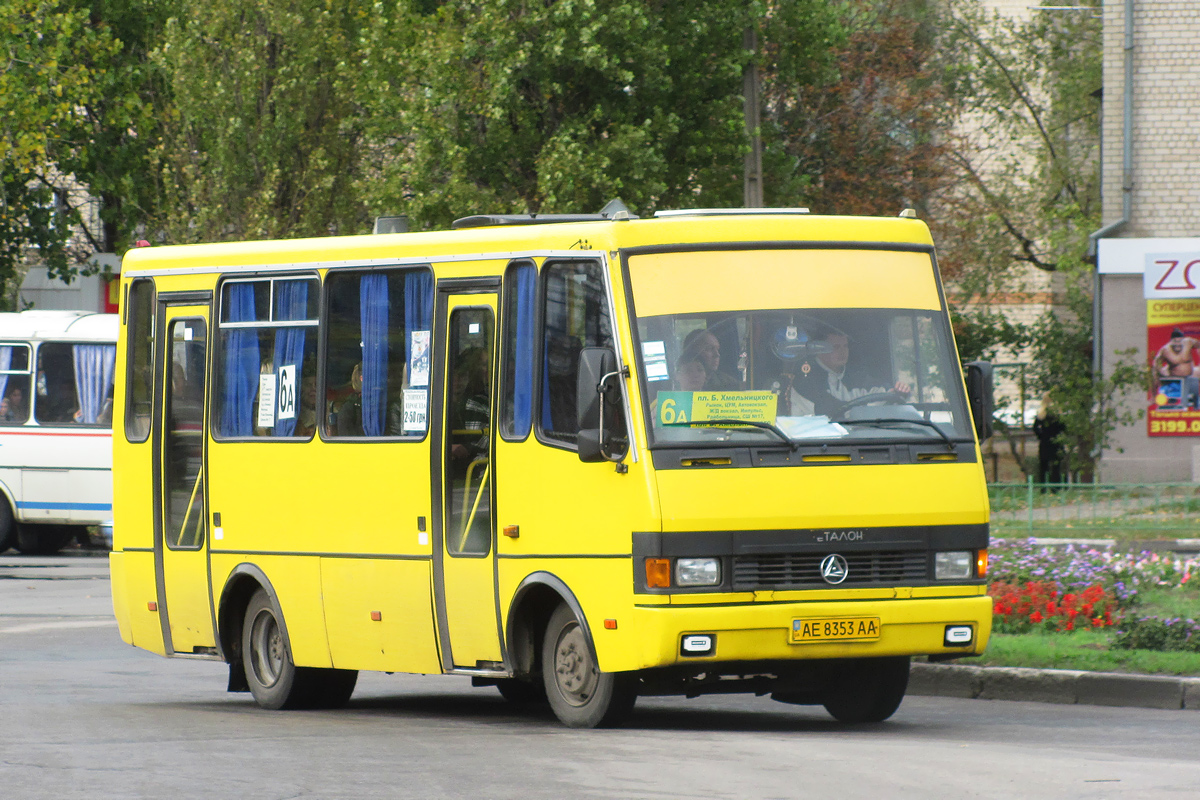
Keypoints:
(416, 404)
(266, 400)
(287, 392)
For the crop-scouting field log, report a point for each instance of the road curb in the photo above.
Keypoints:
(1063, 686)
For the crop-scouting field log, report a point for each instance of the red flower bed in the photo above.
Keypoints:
(1039, 605)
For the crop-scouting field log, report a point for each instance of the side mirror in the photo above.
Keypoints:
(598, 409)
(980, 396)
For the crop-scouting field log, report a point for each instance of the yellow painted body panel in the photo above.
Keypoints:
(824, 496)
(682, 282)
(403, 639)
(334, 525)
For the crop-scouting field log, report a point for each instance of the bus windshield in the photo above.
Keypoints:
(795, 346)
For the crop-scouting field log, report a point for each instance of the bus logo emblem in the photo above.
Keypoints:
(834, 568)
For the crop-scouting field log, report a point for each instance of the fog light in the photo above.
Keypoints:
(958, 635)
(698, 644)
(697, 572)
(953, 566)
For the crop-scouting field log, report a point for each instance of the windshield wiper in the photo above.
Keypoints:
(737, 423)
(876, 420)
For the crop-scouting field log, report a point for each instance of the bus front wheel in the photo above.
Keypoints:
(275, 680)
(869, 691)
(580, 695)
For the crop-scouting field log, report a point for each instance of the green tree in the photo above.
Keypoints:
(557, 107)
(869, 135)
(1026, 198)
(263, 139)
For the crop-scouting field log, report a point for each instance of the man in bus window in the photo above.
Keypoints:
(701, 345)
(823, 388)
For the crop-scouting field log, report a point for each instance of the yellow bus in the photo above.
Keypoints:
(575, 457)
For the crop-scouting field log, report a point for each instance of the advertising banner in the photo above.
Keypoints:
(1172, 291)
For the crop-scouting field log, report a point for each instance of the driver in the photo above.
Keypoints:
(823, 387)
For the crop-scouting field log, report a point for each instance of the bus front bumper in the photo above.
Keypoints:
(678, 634)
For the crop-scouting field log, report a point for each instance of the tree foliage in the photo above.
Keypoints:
(554, 107)
(262, 138)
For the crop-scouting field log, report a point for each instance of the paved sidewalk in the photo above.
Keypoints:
(1054, 686)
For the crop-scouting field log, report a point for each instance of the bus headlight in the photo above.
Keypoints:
(956, 565)
(697, 572)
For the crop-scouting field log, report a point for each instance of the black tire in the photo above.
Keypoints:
(580, 695)
(522, 693)
(274, 679)
(869, 691)
(42, 540)
(8, 526)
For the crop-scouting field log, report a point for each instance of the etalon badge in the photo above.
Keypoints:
(805, 368)
(834, 569)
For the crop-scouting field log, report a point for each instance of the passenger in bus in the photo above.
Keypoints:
(13, 408)
(824, 387)
(348, 417)
(105, 415)
(690, 375)
(306, 419)
(703, 346)
(470, 412)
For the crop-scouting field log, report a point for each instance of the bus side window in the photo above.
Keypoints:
(14, 384)
(575, 316)
(377, 354)
(268, 347)
(140, 360)
(517, 358)
(74, 383)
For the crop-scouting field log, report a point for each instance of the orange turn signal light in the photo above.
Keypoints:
(981, 561)
(658, 573)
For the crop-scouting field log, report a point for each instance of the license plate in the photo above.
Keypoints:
(837, 629)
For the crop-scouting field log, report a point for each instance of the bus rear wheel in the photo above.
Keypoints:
(275, 680)
(43, 540)
(869, 691)
(580, 695)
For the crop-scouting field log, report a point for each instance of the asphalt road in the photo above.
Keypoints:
(82, 715)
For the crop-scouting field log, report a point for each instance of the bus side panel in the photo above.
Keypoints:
(138, 596)
(296, 581)
(352, 500)
(567, 510)
(402, 639)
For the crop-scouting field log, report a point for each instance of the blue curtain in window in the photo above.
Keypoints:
(373, 312)
(241, 366)
(524, 351)
(93, 378)
(418, 307)
(5, 364)
(291, 303)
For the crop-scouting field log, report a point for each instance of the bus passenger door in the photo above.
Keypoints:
(181, 524)
(464, 547)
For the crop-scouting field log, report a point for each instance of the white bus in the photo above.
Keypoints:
(56, 382)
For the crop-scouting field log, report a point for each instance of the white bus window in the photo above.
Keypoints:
(140, 357)
(74, 384)
(14, 384)
(378, 352)
(575, 316)
(268, 355)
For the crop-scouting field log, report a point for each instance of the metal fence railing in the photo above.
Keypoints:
(1135, 510)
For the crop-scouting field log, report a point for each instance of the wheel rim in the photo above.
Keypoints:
(266, 648)
(574, 673)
